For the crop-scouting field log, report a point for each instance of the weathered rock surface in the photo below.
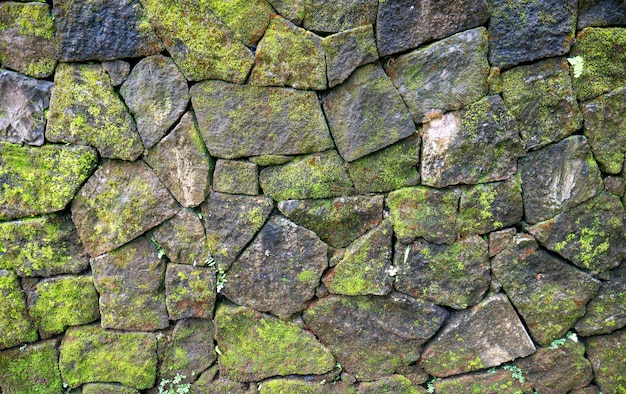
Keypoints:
(22, 106)
(109, 388)
(348, 50)
(247, 19)
(373, 336)
(331, 17)
(390, 384)
(606, 353)
(290, 9)
(240, 121)
(189, 291)
(366, 113)
(15, 325)
(236, 177)
(34, 369)
(499, 381)
(278, 386)
(486, 335)
(117, 70)
(601, 13)
(183, 240)
(447, 75)
(557, 178)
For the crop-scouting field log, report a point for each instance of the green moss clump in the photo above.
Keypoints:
(32, 369)
(247, 19)
(284, 386)
(15, 326)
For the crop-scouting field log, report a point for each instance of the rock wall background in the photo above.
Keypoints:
(306, 196)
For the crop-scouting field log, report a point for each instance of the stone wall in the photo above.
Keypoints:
(309, 196)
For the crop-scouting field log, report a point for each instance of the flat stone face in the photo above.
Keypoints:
(32, 369)
(247, 19)
(92, 354)
(447, 75)
(236, 177)
(521, 32)
(606, 353)
(557, 178)
(118, 71)
(405, 24)
(373, 336)
(290, 9)
(43, 179)
(601, 13)
(15, 326)
(189, 291)
(183, 240)
(347, 50)
(278, 386)
(121, 201)
(484, 336)
(22, 106)
(331, 17)
(366, 113)
(541, 98)
(498, 381)
(109, 388)
(240, 121)
(130, 283)
(389, 384)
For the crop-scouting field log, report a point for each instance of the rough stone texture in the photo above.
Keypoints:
(366, 113)
(444, 76)
(542, 99)
(331, 17)
(337, 221)
(591, 389)
(183, 240)
(592, 235)
(156, 93)
(85, 110)
(603, 52)
(605, 129)
(279, 386)
(478, 144)
(27, 42)
(454, 275)
(236, 177)
(318, 175)
(130, 283)
(486, 335)
(245, 18)
(601, 13)
(207, 384)
(270, 160)
(121, 201)
(41, 180)
(606, 353)
(548, 293)
(279, 271)
(92, 354)
(405, 24)
(347, 50)
(108, 388)
(498, 381)
(117, 70)
(424, 212)
(289, 56)
(390, 384)
(290, 9)
(189, 291)
(240, 121)
(202, 46)
(231, 222)
(374, 336)
(251, 342)
(501, 240)
(526, 31)
(557, 178)
(15, 326)
(22, 105)
(44, 246)
(34, 369)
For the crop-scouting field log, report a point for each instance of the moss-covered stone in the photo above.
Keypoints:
(15, 325)
(246, 19)
(498, 381)
(331, 17)
(284, 386)
(108, 388)
(31, 369)
(41, 180)
(607, 354)
(600, 13)
(183, 240)
(394, 384)
(290, 9)
(236, 177)
(348, 50)
(189, 291)
(270, 160)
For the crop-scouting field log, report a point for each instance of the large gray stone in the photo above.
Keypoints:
(601, 13)
(333, 16)
(606, 353)
(183, 240)
(348, 50)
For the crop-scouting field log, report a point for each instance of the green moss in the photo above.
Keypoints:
(33, 369)
(247, 19)
(15, 326)
(453, 360)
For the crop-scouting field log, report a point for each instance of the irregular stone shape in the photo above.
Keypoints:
(236, 177)
(121, 201)
(491, 206)
(454, 275)
(84, 109)
(478, 144)
(183, 240)
(387, 169)
(331, 17)
(498, 381)
(157, 95)
(182, 162)
(318, 175)
(27, 42)
(109, 388)
(279, 271)
(240, 121)
(364, 267)
(246, 19)
(44, 246)
(592, 235)
(405, 24)
(15, 325)
(606, 353)
(601, 13)
(118, 71)
(130, 283)
(290, 9)
(591, 389)
(542, 99)
(548, 293)
(486, 335)
(189, 291)
(22, 106)
(614, 185)
(231, 222)
(33, 369)
(501, 240)
(63, 301)
(251, 342)
(373, 336)
(202, 46)
(279, 386)
(337, 221)
(43, 179)
(521, 32)
(424, 212)
(444, 76)
(557, 178)
(93, 354)
(603, 54)
(348, 50)
(289, 56)
(366, 113)
(207, 384)
(605, 125)
(390, 384)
